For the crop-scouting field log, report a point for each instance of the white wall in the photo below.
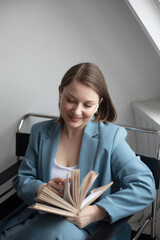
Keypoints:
(40, 40)
(147, 13)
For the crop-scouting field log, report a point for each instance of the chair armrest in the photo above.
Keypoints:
(8, 198)
(106, 230)
(9, 173)
(9, 205)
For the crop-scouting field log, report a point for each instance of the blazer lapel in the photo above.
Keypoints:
(89, 148)
(49, 149)
(87, 155)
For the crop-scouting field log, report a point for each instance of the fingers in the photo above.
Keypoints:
(76, 221)
(60, 194)
(40, 188)
(56, 185)
(72, 220)
(85, 217)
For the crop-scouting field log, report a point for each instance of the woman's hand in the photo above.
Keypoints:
(56, 185)
(88, 215)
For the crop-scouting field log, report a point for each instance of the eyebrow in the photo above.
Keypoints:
(87, 101)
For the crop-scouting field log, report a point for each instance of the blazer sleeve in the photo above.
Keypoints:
(26, 182)
(134, 178)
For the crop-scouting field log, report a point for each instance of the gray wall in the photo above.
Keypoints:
(40, 40)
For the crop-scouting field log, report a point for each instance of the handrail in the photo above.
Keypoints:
(140, 129)
(136, 129)
(145, 130)
(32, 115)
(158, 152)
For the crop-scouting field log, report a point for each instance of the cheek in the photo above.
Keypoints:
(64, 107)
(89, 113)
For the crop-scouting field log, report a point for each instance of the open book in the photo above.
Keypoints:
(74, 198)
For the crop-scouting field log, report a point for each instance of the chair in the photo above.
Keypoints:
(154, 165)
(105, 231)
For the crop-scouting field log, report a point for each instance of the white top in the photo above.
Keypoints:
(61, 171)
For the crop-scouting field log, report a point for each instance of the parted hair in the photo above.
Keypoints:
(91, 75)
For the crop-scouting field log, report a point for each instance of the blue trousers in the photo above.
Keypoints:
(52, 227)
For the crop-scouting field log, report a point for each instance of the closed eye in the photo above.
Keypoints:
(70, 100)
(86, 105)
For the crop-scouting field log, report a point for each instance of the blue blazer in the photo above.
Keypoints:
(104, 150)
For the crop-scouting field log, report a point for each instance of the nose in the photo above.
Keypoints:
(77, 109)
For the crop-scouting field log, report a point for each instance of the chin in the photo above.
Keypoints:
(74, 124)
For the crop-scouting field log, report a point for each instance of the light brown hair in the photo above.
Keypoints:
(90, 75)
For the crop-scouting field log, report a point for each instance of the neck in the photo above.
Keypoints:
(71, 132)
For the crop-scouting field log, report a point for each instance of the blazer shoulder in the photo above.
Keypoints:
(44, 126)
(111, 128)
(112, 133)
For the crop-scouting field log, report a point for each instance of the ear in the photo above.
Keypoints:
(60, 89)
(101, 100)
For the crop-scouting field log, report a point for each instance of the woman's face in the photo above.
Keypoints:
(78, 103)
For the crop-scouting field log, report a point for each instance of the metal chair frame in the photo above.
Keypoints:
(152, 218)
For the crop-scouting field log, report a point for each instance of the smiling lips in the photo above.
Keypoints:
(75, 119)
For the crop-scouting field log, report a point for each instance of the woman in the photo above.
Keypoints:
(83, 137)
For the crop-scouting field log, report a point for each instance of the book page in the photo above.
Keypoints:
(47, 196)
(86, 184)
(45, 208)
(89, 198)
(67, 194)
(95, 193)
(66, 206)
(75, 187)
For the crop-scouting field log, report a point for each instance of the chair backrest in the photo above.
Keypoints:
(22, 140)
(154, 166)
(153, 163)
